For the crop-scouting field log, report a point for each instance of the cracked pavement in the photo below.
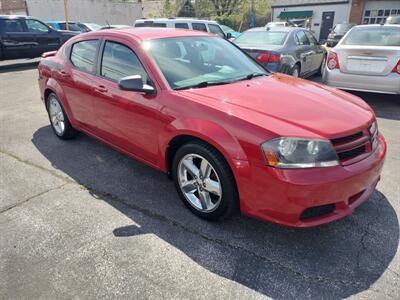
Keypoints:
(80, 220)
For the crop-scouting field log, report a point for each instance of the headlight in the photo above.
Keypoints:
(289, 152)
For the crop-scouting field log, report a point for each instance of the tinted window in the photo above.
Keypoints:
(301, 38)
(36, 26)
(160, 25)
(140, 25)
(83, 55)
(262, 38)
(199, 26)
(311, 38)
(216, 29)
(12, 25)
(373, 36)
(182, 25)
(120, 61)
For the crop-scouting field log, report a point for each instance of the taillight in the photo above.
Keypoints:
(396, 68)
(333, 61)
(267, 57)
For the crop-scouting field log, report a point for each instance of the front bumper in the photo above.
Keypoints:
(283, 196)
(389, 84)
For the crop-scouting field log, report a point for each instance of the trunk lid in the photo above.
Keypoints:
(367, 60)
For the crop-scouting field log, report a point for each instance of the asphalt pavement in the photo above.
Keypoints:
(80, 220)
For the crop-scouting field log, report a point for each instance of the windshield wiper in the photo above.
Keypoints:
(252, 75)
(202, 84)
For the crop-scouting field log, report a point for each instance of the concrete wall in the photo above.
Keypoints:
(96, 11)
(342, 12)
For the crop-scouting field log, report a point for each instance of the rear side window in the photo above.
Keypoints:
(11, 25)
(301, 39)
(311, 38)
(119, 61)
(216, 29)
(262, 38)
(182, 25)
(199, 26)
(71, 27)
(160, 25)
(370, 36)
(83, 55)
(139, 25)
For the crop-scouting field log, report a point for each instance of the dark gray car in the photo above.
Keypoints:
(289, 50)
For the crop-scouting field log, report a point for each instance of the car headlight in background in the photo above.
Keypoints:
(288, 152)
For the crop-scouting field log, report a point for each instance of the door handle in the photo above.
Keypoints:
(101, 89)
(62, 73)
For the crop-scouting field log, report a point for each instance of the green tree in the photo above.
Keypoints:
(169, 9)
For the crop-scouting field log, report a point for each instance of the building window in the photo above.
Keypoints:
(378, 16)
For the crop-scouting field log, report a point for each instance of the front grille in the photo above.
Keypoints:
(352, 153)
(317, 211)
(347, 139)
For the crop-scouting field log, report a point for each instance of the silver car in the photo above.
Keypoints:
(290, 50)
(366, 59)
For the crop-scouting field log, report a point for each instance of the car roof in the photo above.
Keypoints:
(175, 20)
(377, 25)
(15, 17)
(277, 28)
(150, 33)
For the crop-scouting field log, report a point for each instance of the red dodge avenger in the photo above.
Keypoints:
(232, 136)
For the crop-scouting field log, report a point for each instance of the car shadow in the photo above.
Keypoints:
(332, 261)
(9, 66)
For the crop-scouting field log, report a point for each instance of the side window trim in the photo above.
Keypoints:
(99, 60)
(69, 53)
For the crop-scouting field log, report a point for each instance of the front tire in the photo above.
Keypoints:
(58, 118)
(204, 181)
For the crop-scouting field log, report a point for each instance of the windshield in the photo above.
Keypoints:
(190, 61)
(262, 38)
(71, 27)
(373, 36)
(342, 28)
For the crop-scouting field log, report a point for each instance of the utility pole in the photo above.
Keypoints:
(66, 14)
(252, 16)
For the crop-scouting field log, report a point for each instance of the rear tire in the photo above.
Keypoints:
(58, 119)
(322, 67)
(204, 181)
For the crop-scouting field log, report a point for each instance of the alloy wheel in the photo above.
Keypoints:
(199, 183)
(56, 116)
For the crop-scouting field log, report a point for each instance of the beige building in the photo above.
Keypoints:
(12, 7)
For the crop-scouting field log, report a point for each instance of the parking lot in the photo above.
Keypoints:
(80, 220)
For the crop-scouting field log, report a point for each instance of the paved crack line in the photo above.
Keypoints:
(7, 208)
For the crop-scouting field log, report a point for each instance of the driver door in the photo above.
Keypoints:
(129, 120)
(43, 36)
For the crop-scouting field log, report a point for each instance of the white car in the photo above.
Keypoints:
(183, 23)
(366, 59)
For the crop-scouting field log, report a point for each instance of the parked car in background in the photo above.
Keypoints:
(184, 23)
(62, 25)
(87, 27)
(227, 30)
(26, 37)
(114, 27)
(232, 136)
(281, 24)
(393, 20)
(289, 50)
(337, 33)
(366, 59)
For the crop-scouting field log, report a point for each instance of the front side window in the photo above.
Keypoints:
(373, 36)
(197, 60)
(216, 30)
(301, 39)
(182, 25)
(119, 61)
(199, 26)
(311, 38)
(12, 26)
(36, 26)
(71, 27)
(83, 55)
(262, 38)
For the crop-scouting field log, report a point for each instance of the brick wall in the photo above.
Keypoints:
(356, 12)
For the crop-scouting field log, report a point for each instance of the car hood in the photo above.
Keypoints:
(284, 104)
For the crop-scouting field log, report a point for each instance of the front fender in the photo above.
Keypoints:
(208, 131)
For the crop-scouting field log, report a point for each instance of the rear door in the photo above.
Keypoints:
(16, 40)
(317, 51)
(46, 39)
(303, 51)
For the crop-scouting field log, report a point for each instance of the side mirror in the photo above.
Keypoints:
(135, 84)
(228, 35)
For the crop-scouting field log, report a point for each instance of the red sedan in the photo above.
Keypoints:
(231, 135)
